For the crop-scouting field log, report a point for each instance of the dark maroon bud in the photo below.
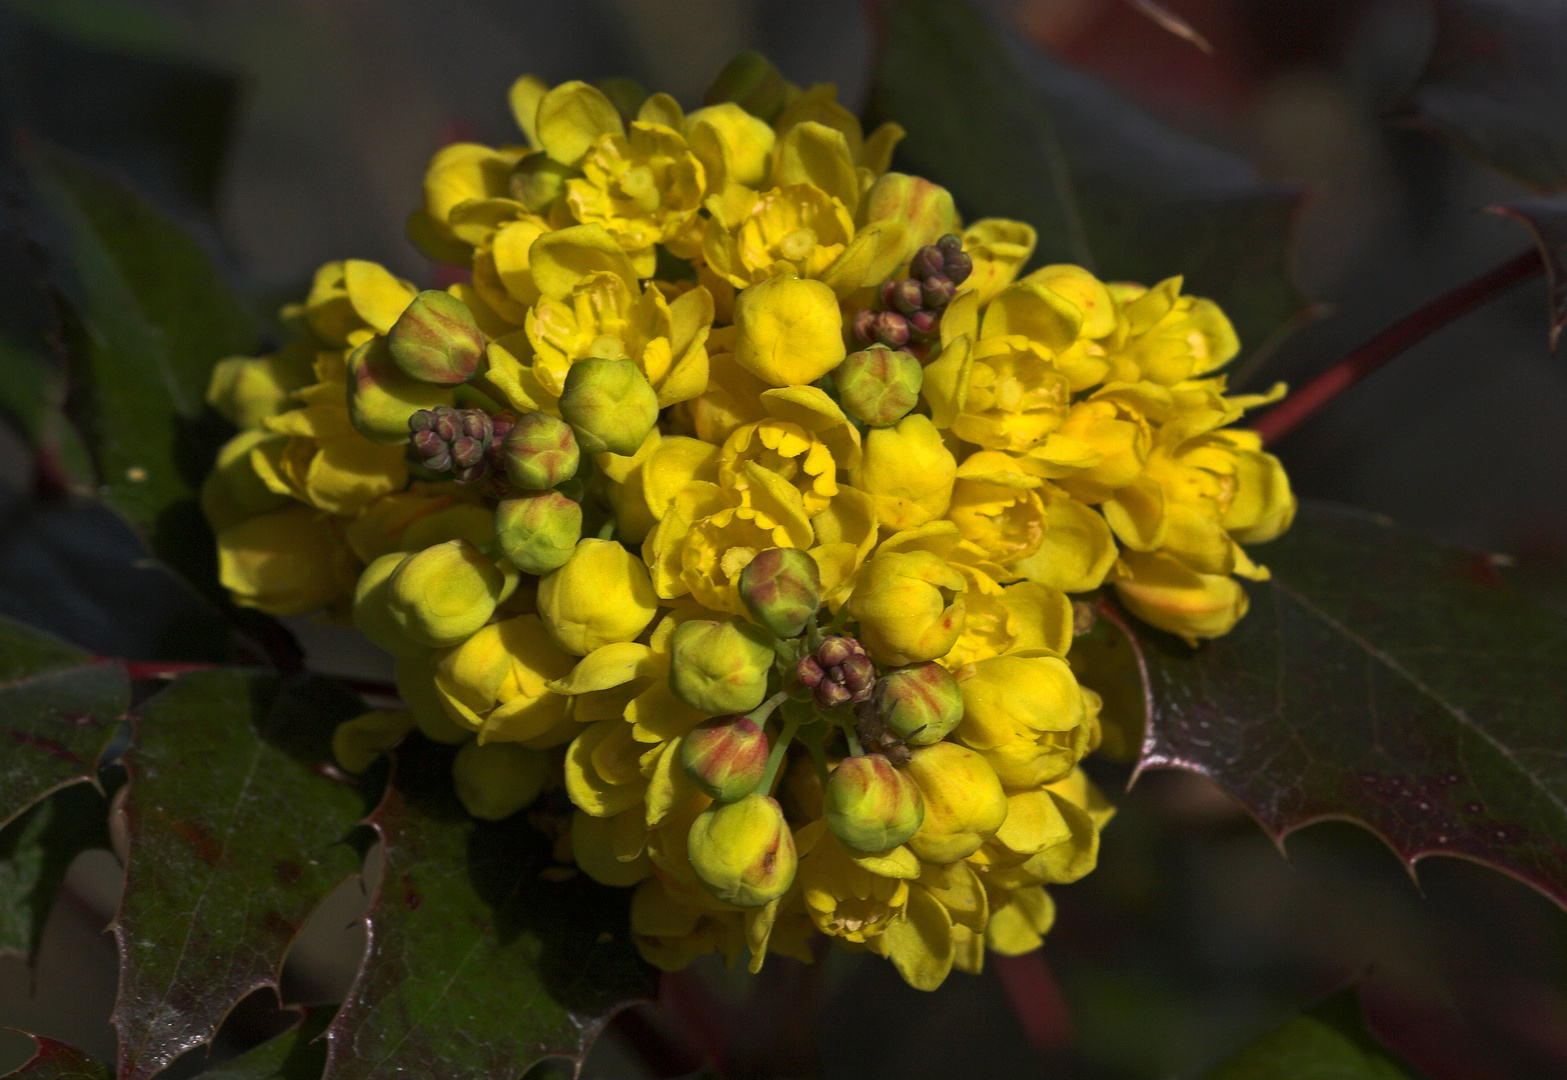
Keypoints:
(938, 291)
(859, 675)
(950, 244)
(959, 267)
(439, 462)
(472, 474)
(476, 424)
(892, 329)
(467, 451)
(865, 326)
(810, 672)
(888, 288)
(427, 444)
(421, 421)
(924, 326)
(835, 650)
(928, 261)
(830, 694)
(445, 424)
(908, 296)
(495, 452)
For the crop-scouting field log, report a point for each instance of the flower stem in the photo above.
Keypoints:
(1411, 329)
(760, 714)
(775, 759)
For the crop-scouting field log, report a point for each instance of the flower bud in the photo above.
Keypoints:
(441, 595)
(964, 802)
(950, 244)
(908, 607)
(928, 261)
(725, 757)
(830, 694)
(540, 452)
(781, 589)
(372, 611)
(538, 531)
(937, 291)
(865, 326)
(858, 676)
(924, 327)
(743, 852)
(810, 672)
(751, 81)
(959, 267)
(892, 329)
(919, 703)
(436, 340)
(788, 331)
(601, 595)
(719, 667)
(497, 779)
(871, 806)
(837, 649)
(610, 404)
(925, 209)
(381, 397)
(906, 295)
(879, 385)
(838, 672)
(538, 180)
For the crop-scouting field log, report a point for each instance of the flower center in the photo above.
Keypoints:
(638, 185)
(797, 244)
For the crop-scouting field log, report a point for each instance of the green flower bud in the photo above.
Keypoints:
(441, 595)
(538, 531)
(871, 806)
(725, 757)
(372, 607)
(919, 703)
(743, 852)
(751, 81)
(926, 209)
(879, 385)
(719, 667)
(381, 396)
(538, 180)
(435, 340)
(497, 779)
(610, 404)
(540, 452)
(781, 589)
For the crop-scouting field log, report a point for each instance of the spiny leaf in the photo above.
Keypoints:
(297, 1054)
(56, 715)
(1546, 219)
(236, 833)
(478, 965)
(1014, 133)
(1327, 1042)
(1383, 678)
(36, 850)
(56, 1061)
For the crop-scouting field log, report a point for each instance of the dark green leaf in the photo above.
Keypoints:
(148, 315)
(236, 831)
(56, 715)
(35, 852)
(57, 1061)
(1546, 219)
(478, 965)
(1014, 133)
(1495, 83)
(1328, 1042)
(1384, 678)
(297, 1054)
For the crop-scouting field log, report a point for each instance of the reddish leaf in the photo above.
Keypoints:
(56, 1061)
(1382, 678)
(1546, 220)
(236, 834)
(478, 965)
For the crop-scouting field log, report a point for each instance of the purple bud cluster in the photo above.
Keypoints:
(838, 672)
(464, 442)
(910, 308)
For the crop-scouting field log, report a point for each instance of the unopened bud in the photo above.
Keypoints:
(781, 589)
(538, 531)
(924, 326)
(726, 757)
(858, 676)
(836, 649)
(887, 293)
(892, 329)
(928, 261)
(719, 667)
(441, 595)
(743, 852)
(382, 398)
(870, 806)
(879, 385)
(497, 779)
(919, 703)
(540, 452)
(610, 405)
(830, 693)
(908, 296)
(959, 267)
(938, 291)
(435, 340)
(865, 326)
(538, 180)
(810, 672)
(751, 81)
(950, 244)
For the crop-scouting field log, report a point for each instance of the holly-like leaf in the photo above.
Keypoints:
(1384, 678)
(479, 964)
(297, 1054)
(1546, 219)
(147, 315)
(1494, 85)
(1330, 1041)
(53, 1060)
(1014, 133)
(57, 713)
(36, 850)
(237, 831)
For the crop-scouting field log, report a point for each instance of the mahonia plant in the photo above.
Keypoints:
(741, 492)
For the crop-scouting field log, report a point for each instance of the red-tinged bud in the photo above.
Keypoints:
(870, 806)
(928, 261)
(865, 326)
(950, 244)
(810, 672)
(436, 340)
(743, 852)
(938, 291)
(907, 296)
(887, 293)
(959, 267)
(920, 703)
(835, 650)
(924, 326)
(719, 667)
(540, 452)
(830, 693)
(538, 530)
(892, 329)
(879, 385)
(858, 676)
(726, 757)
(781, 589)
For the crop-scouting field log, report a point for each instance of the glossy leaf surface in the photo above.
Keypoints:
(54, 1060)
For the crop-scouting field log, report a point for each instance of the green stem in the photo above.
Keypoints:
(760, 714)
(818, 758)
(776, 758)
(855, 750)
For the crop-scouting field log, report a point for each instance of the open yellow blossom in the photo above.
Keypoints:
(1164, 592)
(806, 439)
(1169, 337)
(799, 230)
(1027, 716)
(325, 462)
(844, 898)
(644, 187)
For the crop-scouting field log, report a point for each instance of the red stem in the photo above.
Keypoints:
(1305, 402)
(173, 669)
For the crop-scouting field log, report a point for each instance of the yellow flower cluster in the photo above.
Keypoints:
(548, 491)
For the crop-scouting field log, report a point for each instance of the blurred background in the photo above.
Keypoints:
(1196, 933)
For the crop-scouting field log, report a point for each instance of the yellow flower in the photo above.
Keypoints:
(1027, 716)
(358, 742)
(735, 148)
(1016, 395)
(644, 188)
(1050, 836)
(457, 174)
(798, 231)
(325, 462)
(964, 802)
(352, 299)
(495, 682)
(733, 395)
(1013, 618)
(805, 440)
(496, 780)
(439, 596)
(286, 562)
(920, 942)
(743, 852)
(1019, 919)
(789, 331)
(601, 595)
(232, 491)
(1163, 592)
(1169, 337)
(845, 899)
(908, 472)
(837, 127)
(612, 850)
(670, 933)
(246, 390)
(909, 606)
(997, 506)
